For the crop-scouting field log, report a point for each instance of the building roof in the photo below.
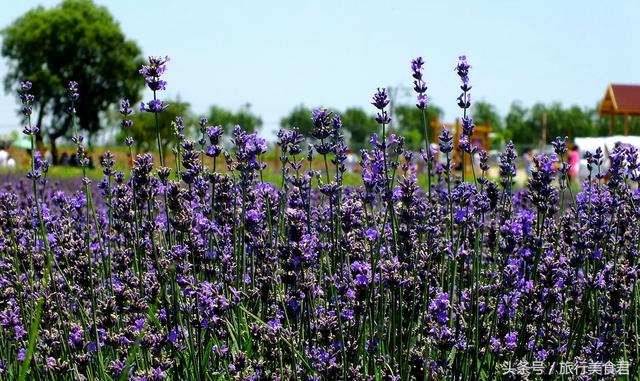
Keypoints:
(621, 100)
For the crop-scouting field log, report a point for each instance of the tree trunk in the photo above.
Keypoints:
(39, 140)
(39, 136)
(54, 151)
(54, 134)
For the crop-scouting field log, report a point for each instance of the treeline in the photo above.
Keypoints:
(43, 47)
(358, 124)
(523, 125)
(143, 128)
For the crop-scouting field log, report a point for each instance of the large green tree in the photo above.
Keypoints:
(249, 121)
(525, 125)
(355, 120)
(299, 117)
(484, 113)
(143, 130)
(75, 40)
(516, 125)
(360, 126)
(411, 124)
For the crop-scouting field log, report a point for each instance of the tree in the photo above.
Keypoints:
(559, 122)
(360, 125)
(525, 125)
(578, 121)
(299, 117)
(143, 130)
(484, 113)
(78, 41)
(219, 116)
(602, 123)
(411, 124)
(355, 121)
(516, 125)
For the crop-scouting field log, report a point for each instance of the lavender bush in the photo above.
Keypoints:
(205, 272)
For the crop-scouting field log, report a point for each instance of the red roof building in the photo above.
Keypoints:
(621, 100)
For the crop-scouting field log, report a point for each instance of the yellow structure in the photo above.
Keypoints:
(480, 139)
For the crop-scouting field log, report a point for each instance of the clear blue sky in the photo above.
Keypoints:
(278, 54)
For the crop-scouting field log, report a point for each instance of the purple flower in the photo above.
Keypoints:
(439, 308)
(72, 89)
(172, 336)
(464, 100)
(50, 364)
(446, 141)
(467, 126)
(248, 148)
(510, 340)
(30, 130)
(560, 145)
(125, 107)
(371, 234)
(419, 85)
(274, 324)
(380, 99)
(26, 98)
(417, 67)
(76, 336)
(214, 133)
(465, 146)
(421, 102)
(154, 106)
(139, 324)
(508, 165)
(153, 71)
(321, 119)
(383, 118)
(462, 69)
(125, 111)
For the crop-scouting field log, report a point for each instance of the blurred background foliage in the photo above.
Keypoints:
(82, 41)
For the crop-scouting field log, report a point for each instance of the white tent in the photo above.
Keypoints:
(605, 143)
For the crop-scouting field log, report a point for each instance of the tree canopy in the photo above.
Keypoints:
(357, 122)
(360, 126)
(484, 113)
(143, 130)
(78, 41)
(524, 125)
(411, 124)
(249, 121)
(299, 117)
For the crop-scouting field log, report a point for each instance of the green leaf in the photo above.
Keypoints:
(33, 334)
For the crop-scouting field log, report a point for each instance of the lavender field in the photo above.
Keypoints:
(203, 271)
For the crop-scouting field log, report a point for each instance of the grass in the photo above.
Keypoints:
(272, 174)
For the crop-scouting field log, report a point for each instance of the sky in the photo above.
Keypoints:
(276, 55)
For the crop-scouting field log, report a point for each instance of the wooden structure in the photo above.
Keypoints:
(621, 100)
(480, 139)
